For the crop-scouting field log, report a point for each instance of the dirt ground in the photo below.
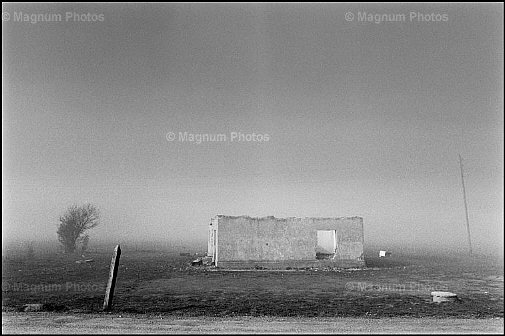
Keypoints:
(57, 323)
(160, 291)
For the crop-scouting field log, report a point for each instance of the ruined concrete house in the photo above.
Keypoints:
(280, 243)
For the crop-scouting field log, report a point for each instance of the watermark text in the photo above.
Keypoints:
(235, 136)
(410, 17)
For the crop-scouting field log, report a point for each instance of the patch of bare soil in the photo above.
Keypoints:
(161, 283)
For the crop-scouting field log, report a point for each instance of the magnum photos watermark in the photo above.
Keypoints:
(35, 18)
(199, 138)
(54, 287)
(364, 286)
(410, 17)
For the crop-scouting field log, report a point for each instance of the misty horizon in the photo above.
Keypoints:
(356, 119)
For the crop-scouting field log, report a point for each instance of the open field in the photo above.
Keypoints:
(157, 282)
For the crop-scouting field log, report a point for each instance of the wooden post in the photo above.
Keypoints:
(466, 206)
(109, 292)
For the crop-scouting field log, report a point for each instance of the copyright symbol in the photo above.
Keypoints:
(349, 16)
(170, 136)
(6, 16)
(349, 286)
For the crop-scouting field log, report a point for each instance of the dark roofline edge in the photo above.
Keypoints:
(280, 219)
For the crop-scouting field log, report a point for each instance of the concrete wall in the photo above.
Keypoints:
(271, 242)
(211, 244)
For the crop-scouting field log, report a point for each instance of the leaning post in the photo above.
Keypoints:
(114, 266)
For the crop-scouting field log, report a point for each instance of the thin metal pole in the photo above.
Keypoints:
(466, 206)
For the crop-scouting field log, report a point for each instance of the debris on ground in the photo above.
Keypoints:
(384, 254)
(197, 262)
(33, 307)
(202, 261)
(84, 261)
(444, 297)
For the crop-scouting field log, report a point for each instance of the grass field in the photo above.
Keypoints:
(163, 283)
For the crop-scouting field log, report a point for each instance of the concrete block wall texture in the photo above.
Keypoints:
(269, 242)
(212, 237)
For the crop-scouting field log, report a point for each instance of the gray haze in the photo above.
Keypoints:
(364, 119)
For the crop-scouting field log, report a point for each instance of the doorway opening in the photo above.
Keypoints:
(326, 244)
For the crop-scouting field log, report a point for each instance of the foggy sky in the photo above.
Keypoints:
(364, 119)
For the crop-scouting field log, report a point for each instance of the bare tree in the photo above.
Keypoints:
(74, 223)
(30, 251)
(84, 244)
